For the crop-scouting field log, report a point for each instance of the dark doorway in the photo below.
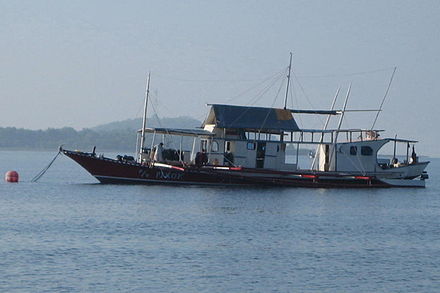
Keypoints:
(327, 158)
(261, 153)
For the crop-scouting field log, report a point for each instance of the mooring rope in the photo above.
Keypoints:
(41, 173)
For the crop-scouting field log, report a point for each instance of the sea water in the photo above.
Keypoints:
(67, 233)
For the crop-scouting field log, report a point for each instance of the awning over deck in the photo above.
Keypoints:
(402, 140)
(179, 132)
(251, 118)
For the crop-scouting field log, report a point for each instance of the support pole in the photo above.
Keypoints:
(193, 149)
(144, 119)
(288, 81)
(337, 131)
(180, 149)
(343, 113)
(325, 127)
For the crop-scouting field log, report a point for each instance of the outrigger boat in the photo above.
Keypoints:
(243, 145)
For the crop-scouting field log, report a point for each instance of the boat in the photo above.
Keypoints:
(248, 145)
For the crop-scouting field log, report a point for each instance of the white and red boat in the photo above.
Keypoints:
(242, 145)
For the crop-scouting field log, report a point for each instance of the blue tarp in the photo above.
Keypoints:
(251, 118)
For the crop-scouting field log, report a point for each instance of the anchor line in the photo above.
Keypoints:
(41, 173)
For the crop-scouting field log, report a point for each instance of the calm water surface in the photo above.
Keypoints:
(67, 233)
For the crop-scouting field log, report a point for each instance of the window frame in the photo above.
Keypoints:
(366, 150)
(214, 146)
(353, 150)
(252, 144)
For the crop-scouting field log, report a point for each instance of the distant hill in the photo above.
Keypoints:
(115, 136)
(135, 124)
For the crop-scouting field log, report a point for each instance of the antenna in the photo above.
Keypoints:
(288, 81)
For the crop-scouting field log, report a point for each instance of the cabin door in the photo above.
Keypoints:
(324, 157)
(327, 158)
(261, 153)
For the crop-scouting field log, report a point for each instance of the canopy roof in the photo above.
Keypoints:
(180, 132)
(251, 118)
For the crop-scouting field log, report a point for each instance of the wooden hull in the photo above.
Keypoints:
(122, 172)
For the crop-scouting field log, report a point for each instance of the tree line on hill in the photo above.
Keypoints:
(117, 136)
(114, 136)
(22, 139)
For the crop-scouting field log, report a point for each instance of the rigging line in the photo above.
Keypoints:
(269, 110)
(270, 83)
(261, 82)
(41, 173)
(264, 91)
(384, 97)
(255, 100)
(294, 99)
(158, 118)
(305, 95)
(207, 80)
(303, 91)
(346, 74)
(278, 93)
(202, 117)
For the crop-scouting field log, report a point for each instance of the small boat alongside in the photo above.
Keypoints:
(248, 145)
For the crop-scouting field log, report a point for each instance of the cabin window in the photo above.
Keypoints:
(251, 146)
(232, 132)
(214, 146)
(203, 145)
(228, 146)
(353, 150)
(251, 135)
(366, 151)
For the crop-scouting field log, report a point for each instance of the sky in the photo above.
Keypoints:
(84, 63)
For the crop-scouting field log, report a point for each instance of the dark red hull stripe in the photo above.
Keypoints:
(113, 171)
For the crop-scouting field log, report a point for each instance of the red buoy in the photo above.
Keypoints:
(11, 176)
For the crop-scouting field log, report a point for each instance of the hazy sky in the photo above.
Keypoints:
(84, 63)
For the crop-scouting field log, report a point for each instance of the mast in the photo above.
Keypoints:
(339, 128)
(331, 109)
(342, 114)
(144, 119)
(288, 81)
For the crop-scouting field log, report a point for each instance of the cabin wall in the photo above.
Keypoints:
(244, 151)
(272, 159)
(216, 149)
(358, 156)
(243, 156)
